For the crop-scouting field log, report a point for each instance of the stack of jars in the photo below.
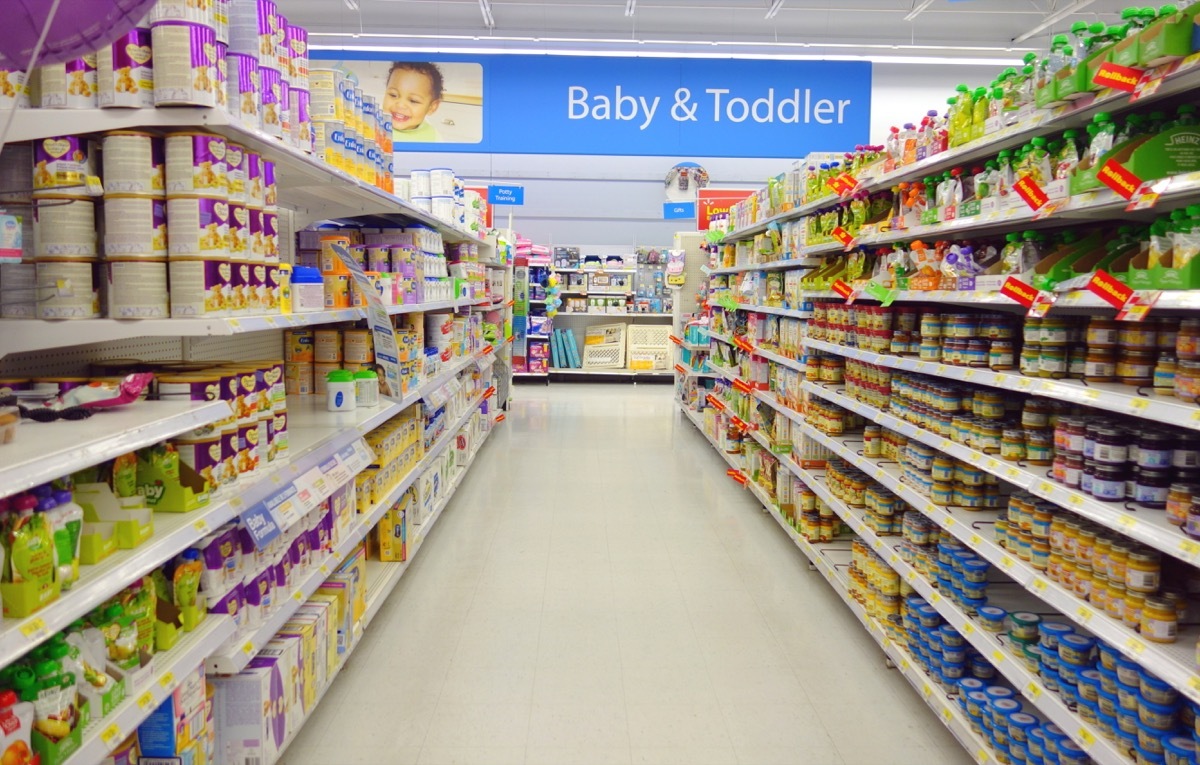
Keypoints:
(830, 419)
(948, 481)
(873, 583)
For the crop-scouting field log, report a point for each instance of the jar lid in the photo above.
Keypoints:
(340, 376)
(306, 275)
(366, 374)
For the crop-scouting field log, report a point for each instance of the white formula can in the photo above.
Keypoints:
(326, 97)
(136, 289)
(270, 83)
(239, 231)
(61, 162)
(192, 11)
(198, 227)
(135, 227)
(69, 85)
(125, 71)
(14, 89)
(242, 89)
(199, 287)
(196, 164)
(19, 282)
(184, 63)
(67, 290)
(235, 172)
(419, 184)
(64, 227)
(133, 163)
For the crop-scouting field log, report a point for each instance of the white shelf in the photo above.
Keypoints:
(1174, 663)
(537, 337)
(946, 710)
(626, 315)
(19, 335)
(595, 270)
(171, 668)
(1148, 526)
(773, 265)
(1185, 300)
(305, 184)
(1029, 684)
(620, 372)
(531, 375)
(445, 376)
(1110, 397)
(789, 312)
(43, 451)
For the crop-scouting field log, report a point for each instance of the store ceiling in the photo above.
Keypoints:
(940, 28)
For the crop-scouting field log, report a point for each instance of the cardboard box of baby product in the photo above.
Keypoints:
(1149, 157)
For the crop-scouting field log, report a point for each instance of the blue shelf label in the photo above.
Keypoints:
(679, 210)
(506, 195)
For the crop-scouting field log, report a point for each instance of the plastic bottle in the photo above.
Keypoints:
(366, 388)
(892, 144)
(985, 182)
(982, 110)
(1102, 142)
(1078, 45)
(1010, 255)
(953, 121)
(340, 395)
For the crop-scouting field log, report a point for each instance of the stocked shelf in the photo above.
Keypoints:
(306, 184)
(617, 372)
(445, 376)
(170, 669)
(43, 451)
(235, 655)
(1174, 663)
(789, 312)
(1148, 526)
(20, 335)
(820, 558)
(1028, 683)
(1042, 122)
(626, 315)
(594, 270)
(1109, 397)
(771, 265)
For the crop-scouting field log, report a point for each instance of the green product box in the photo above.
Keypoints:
(53, 752)
(168, 484)
(1170, 38)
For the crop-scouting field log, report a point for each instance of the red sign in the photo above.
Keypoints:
(1115, 176)
(843, 236)
(1109, 289)
(741, 386)
(710, 202)
(843, 289)
(1019, 292)
(487, 208)
(842, 184)
(1029, 190)
(1118, 77)
(737, 475)
(680, 369)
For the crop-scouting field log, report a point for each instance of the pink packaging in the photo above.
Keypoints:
(238, 302)
(184, 63)
(272, 293)
(258, 245)
(243, 88)
(272, 110)
(203, 456)
(228, 603)
(301, 119)
(60, 162)
(125, 71)
(229, 454)
(285, 109)
(255, 287)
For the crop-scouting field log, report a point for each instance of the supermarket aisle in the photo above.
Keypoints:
(599, 592)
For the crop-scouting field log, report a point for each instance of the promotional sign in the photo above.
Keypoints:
(487, 208)
(387, 350)
(1029, 190)
(677, 210)
(1117, 77)
(1119, 178)
(614, 105)
(712, 202)
(506, 195)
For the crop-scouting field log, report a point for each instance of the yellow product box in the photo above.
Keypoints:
(318, 613)
(304, 630)
(286, 653)
(364, 489)
(338, 596)
(393, 531)
(327, 605)
(408, 344)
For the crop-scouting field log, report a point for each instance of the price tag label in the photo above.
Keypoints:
(976, 540)
(111, 736)
(248, 648)
(1127, 521)
(324, 569)
(935, 597)
(998, 656)
(968, 629)
(969, 374)
(1084, 613)
(1006, 563)
(1075, 500)
(145, 700)
(1038, 584)
(948, 521)
(234, 323)
(167, 681)
(946, 714)
(1013, 473)
(1136, 646)
(298, 596)
(981, 756)
(926, 690)
(1024, 383)
(34, 629)
(910, 576)
(1189, 548)
(1033, 690)
(1139, 404)
(201, 526)
(1086, 737)
(1045, 487)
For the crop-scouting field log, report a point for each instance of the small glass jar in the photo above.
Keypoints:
(1039, 447)
(1111, 447)
(1152, 486)
(1143, 572)
(1102, 333)
(1100, 365)
(1159, 621)
(1136, 367)
(1108, 484)
(1053, 362)
(1164, 375)
(1001, 355)
(1187, 342)
(1140, 335)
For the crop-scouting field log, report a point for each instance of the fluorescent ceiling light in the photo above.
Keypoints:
(484, 51)
(915, 12)
(630, 6)
(774, 9)
(351, 4)
(1054, 18)
(485, 8)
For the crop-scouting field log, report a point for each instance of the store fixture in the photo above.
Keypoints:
(837, 304)
(251, 519)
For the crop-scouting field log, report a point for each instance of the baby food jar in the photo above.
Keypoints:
(1164, 375)
(1102, 333)
(1136, 367)
(1100, 365)
(1143, 571)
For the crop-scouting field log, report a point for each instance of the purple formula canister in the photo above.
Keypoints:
(184, 63)
(272, 110)
(244, 101)
(196, 164)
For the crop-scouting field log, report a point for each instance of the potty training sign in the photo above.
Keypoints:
(544, 104)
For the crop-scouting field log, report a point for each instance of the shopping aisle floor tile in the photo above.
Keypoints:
(599, 592)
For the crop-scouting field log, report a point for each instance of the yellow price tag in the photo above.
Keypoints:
(1033, 690)
(145, 700)
(968, 628)
(981, 756)
(1084, 613)
(935, 597)
(248, 648)
(948, 521)
(925, 689)
(167, 680)
(992, 464)
(298, 596)
(1013, 473)
(1127, 521)
(1136, 645)
(893, 558)
(1139, 404)
(1189, 548)
(1006, 563)
(324, 569)
(34, 629)
(946, 714)
(998, 656)
(111, 736)
(976, 540)
(1086, 737)
(1038, 584)
(1024, 383)
(945, 444)
(1194, 683)
(234, 323)
(201, 526)
(1045, 487)
(969, 374)
(1075, 500)
(910, 576)
(1196, 416)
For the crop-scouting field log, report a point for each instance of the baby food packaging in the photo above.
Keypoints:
(125, 71)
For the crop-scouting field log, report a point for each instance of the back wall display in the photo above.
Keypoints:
(615, 106)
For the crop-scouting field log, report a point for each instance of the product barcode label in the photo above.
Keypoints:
(1033, 690)
(1135, 645)
(34, 629)
(145, 700)
(111, 736)
(167, 680)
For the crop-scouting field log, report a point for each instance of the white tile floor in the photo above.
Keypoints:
(599, 592)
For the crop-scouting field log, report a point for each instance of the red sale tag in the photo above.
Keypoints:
(1042, 305)
(842, 236)
(715, 403)
(843, 289)
(1152, 80)
(1019, 292)
(1138, 306)
(741, 386)
(680, 369)
(737, 475)
(1029, 190)
(676, 340)
(1147, 195)
(1109, 289)
(742, 344)
(1118, 178)
(1117, 77)
(843, 184)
